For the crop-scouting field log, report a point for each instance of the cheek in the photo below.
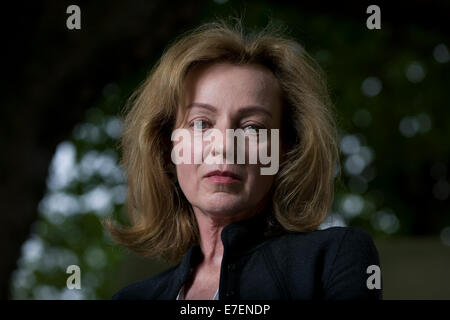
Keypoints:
(257, 183)
(187, 178)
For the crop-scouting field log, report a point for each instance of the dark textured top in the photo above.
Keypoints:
(320, 264)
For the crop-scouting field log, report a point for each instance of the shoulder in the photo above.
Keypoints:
(147, 289)
(329, 245)
(327, 239)
(339, 257)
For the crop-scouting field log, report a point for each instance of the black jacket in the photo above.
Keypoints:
(321, 264)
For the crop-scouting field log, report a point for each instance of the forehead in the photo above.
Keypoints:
(230, 86)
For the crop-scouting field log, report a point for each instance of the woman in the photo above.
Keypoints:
(237, 233)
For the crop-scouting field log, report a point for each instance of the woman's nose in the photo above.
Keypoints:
(221, 144)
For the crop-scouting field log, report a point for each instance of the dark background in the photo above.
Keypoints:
(63, 91)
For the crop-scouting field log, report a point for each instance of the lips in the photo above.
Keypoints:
(222, 174)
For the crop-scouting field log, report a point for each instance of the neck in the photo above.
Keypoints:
(210, 240)
(210, 227)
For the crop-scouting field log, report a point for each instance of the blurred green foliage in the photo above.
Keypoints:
(390, 89)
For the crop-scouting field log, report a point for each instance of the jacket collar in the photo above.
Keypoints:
(238, 238)
(242, 236)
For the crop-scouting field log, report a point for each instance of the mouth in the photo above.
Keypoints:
(223, 177)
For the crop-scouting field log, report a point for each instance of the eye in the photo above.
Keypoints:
(252, 128)
(199, 124)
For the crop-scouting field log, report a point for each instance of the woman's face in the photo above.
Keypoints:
(226, 96)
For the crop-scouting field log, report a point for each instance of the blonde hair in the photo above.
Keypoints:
(162, 220)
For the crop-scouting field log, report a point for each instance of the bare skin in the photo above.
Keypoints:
(204, 281)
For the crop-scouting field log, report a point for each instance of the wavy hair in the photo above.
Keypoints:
(162, 222)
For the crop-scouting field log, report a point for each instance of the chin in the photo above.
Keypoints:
(225, 204)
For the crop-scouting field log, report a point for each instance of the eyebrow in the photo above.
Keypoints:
(244, 110)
